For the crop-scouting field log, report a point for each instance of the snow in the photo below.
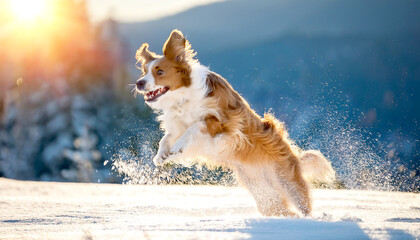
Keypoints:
(48, 210)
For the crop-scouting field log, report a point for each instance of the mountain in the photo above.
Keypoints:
(242, 22)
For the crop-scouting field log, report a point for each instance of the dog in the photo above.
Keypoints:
(204, 118)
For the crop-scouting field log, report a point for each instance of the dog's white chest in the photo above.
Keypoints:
(181, 115)
(182, 108)
(187, 112)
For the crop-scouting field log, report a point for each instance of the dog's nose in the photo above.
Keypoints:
(141, 84)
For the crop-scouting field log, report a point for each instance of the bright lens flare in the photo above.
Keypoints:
(28, 10)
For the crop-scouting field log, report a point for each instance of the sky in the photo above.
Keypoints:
(139, 10)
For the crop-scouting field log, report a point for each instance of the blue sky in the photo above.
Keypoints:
(139, 10)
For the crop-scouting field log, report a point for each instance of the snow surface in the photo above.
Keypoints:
(47, 210)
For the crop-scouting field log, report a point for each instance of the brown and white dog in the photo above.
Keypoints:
(204, 118)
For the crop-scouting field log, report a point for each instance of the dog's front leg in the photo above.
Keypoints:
(163, 152)
(186, 139)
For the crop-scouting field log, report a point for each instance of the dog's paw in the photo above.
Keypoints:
(160, 159)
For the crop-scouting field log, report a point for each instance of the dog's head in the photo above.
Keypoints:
(167, 73)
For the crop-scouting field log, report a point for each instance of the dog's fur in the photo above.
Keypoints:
(204, 118)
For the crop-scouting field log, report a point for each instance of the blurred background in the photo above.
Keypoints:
(343, 75)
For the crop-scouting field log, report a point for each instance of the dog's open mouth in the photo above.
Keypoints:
(154, 95)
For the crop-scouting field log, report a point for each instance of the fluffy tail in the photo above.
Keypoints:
(316, 167)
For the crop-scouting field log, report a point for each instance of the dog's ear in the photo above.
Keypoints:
(177, 47)
(143, 55)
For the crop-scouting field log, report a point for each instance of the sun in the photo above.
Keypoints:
(28, 10)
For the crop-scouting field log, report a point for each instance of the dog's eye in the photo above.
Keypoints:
(159, 72)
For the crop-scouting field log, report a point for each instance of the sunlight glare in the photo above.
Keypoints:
(28, 10)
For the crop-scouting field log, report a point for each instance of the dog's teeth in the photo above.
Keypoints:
(154, 94)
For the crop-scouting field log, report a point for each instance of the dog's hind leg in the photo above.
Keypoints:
(276, 206)
(270, 199)
(301, 197)
(296, 188)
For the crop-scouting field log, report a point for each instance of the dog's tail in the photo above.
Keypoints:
(315, 167)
